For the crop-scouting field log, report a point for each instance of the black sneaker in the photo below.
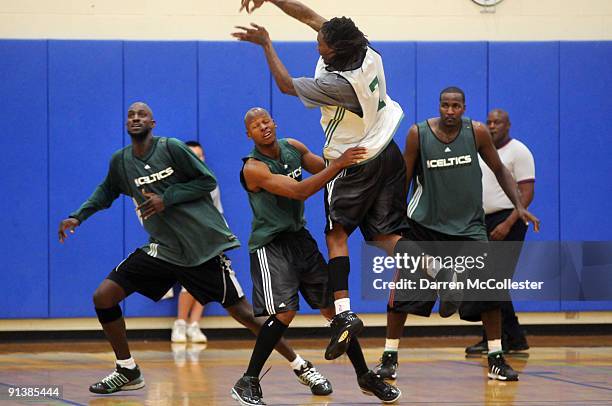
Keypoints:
(387, 368)
(450, 299)
(481, 347)
(372, 384)
(515, 345)
(247, 391)
(309, 376)
(498, 369)
(119, 379)
(344, 326)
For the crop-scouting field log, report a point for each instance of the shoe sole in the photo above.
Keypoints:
(342, 345)
(180, 341)
(367, 392)
(501, 377)
(316, 394)
(236, 397)
(134, 386)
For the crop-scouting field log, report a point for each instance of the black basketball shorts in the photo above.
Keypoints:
(370, 196)
(290, 263)
(212, 281)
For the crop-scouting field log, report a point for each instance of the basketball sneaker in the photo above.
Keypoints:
(450, 298)
(179, 331)
(194, 334)
(372, 384)
(481, 347)
(387, 369)
(309, 376)
(247, 391)
(120, 379)
(498, 369)
(344, 326)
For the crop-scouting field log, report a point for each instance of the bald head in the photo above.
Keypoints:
(501, 113)
(254, 113)
(141, 106)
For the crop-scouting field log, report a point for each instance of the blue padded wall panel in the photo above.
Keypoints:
(585, 86)
(24, 214)
(225, 95)
(443, 64)
(85, 96)
(164, 75)
(528, 88)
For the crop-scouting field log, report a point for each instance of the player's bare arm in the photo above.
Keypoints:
(411, 154)
(257, 176)
(313, 163)
(489, 154)
(259, 35)
(292, 8)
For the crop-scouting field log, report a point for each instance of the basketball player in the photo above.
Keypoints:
(284, 256)
(502, 220)
(188, 237)
(442, 160)
(349, 87)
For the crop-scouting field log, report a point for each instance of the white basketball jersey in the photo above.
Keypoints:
(381, 115)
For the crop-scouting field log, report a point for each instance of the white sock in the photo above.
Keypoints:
(494, 346)
(392, 344)
(127, 363)
(342, 305)
(297, 363)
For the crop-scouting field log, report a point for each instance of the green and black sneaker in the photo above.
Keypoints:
(120, 379)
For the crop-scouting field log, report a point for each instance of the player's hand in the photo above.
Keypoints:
(67, 224)
(257, 35)
(500, 232)
(350, 157)
(527, 218)
(244, 4)
(152, 205)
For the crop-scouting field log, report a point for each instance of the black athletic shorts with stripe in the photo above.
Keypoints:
(369, 196)
(421, 301)
(290, 263)
(212, 281)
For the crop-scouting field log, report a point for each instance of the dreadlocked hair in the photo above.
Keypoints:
(349, 44)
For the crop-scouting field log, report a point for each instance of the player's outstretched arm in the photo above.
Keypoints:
(259, 35)
(312, 162)
(292, 8)
(489, 154)
(257, 176)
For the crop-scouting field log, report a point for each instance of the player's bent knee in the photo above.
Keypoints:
(110, 314)
(286, 317)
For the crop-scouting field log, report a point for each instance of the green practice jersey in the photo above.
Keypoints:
(447, 186)
(190, 230)
(274, 214)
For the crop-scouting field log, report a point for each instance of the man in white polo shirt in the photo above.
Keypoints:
(501, 218)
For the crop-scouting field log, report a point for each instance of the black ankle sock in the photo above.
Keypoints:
(355, 354)
(269, 335)
(339, 269)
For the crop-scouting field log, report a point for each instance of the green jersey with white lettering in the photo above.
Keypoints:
(190, 230)
(274, 214)
(447, 185)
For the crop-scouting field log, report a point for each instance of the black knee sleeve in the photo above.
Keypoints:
(109, 315)
(339, 269)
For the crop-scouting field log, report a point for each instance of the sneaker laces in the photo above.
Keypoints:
(115, 378)
(313, 377)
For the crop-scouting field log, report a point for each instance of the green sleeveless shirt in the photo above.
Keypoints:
(274, 214)
(447, 186)
(190, 231)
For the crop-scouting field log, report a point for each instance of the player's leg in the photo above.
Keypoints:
(179, 328)
(193, 332)
(141, 273)
(498, 368)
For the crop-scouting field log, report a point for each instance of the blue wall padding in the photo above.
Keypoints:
(25, 179)
(63, 115)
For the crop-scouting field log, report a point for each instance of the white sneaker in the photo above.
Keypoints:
(179, 332)
(194, 334)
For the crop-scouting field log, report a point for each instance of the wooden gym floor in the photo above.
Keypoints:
(433, 371)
